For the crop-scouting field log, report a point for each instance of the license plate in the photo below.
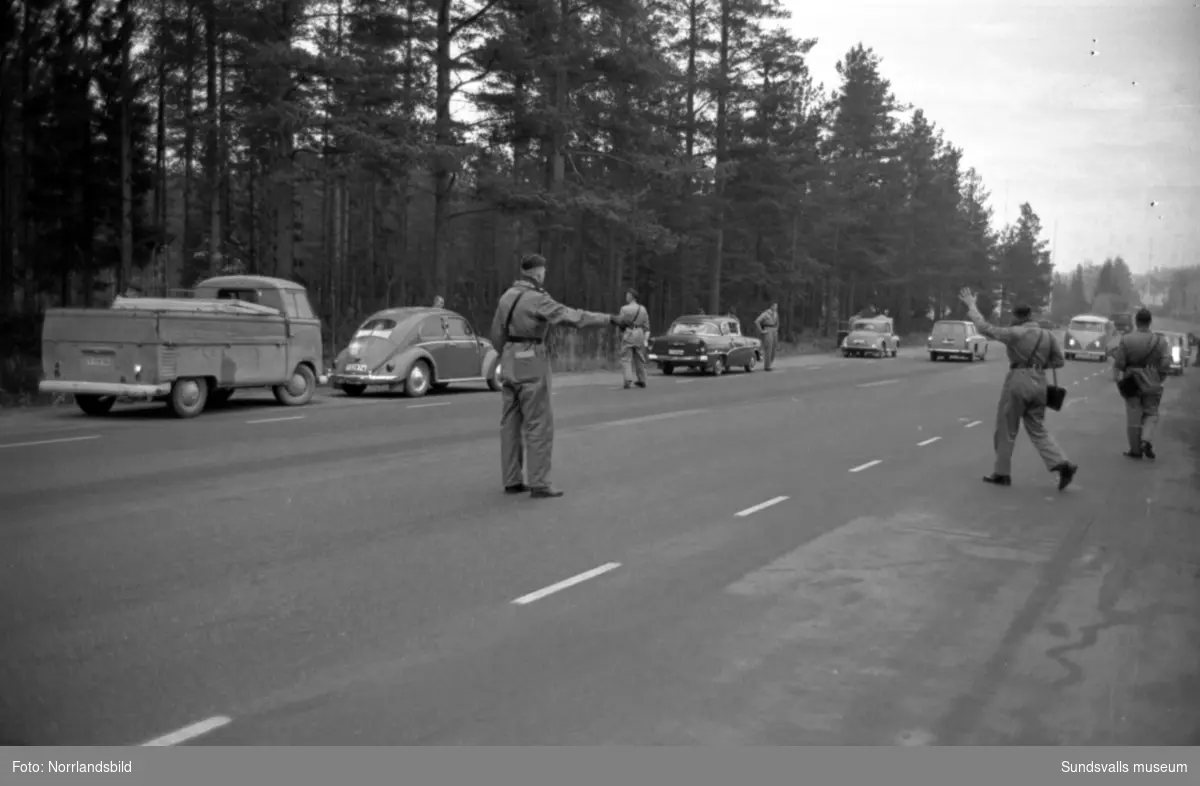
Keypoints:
(674, 351)
(356, 368)
(98, 361)
(947, 341)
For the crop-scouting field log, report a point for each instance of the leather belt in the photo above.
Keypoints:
(1015, 366)
(516, 340)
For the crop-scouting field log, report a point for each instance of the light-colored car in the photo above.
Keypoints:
(1180, 352)
(956, 338)
(1090, 336)
(414, 349)
(871, 336)
(705, 343)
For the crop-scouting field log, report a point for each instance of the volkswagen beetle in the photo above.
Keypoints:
(414, 349)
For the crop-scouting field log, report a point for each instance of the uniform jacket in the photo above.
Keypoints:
(1144, 353)
(767, 320)
(636, 324)
(534, 315)
(1019, 341)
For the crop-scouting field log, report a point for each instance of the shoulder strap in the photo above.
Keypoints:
(508, 321)
(1029, 362)
(1150, 351)
(643, 312)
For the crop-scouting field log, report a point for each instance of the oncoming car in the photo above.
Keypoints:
(1179, 353)
(955, 338)
(705, 343)
(871, 336)
(414, 349)
(1090, 336)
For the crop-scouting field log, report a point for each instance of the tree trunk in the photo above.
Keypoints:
(212, 163)
(125, 11)
(443, 176)
(722, 132)
(189, 141)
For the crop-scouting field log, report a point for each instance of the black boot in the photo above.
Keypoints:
(1066, 473)
(1148, 450)
(998, 480)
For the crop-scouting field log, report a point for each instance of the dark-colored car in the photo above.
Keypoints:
(705, 343)
(1123, 321)
(414, 349)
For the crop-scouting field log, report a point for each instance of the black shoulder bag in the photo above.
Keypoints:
(1055, 395)
(1130, 385)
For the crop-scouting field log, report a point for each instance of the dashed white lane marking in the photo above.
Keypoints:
(877, 384)
(276, 420)
(49, 441)
(684, 381)
(1075, 401)
(760, 506)
(430, 404)
(188, 732)
(929, 441)
(868, 465)
(565, 583)
(649, 418)
(973, 423)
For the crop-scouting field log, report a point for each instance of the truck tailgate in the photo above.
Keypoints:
(99, 345)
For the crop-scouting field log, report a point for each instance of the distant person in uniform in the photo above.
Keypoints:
(635, 332)
(523, 317)
(1031, 350)
(439, 302)
(768, 325)
(1144, 357)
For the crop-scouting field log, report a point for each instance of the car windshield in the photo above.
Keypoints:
(693, 329)
(868, 327)
(944, 328)
(1086, 326)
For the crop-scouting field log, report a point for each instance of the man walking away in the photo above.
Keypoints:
(635, 333)
(768, 325)
(1031, 350)
(1142, 356)
(523, 317)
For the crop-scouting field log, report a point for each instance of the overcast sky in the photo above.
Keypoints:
(1090, 141)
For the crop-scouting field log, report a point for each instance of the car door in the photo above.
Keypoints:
(463, 351)
(737, 343)
(432, 338)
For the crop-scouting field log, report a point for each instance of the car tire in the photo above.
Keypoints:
(416, 382)
(95, 405)
(298, 390)
(493, 378)
(667, 369)
(750, 366)
(1070, 356)
(188, 397)
(933, 357)
(354, 391)
(718, 367)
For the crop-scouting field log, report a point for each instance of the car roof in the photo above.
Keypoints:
(252, 282)
(952, 322)
(705, 318)
(403, 313)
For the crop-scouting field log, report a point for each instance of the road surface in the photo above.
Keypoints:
(806, 556)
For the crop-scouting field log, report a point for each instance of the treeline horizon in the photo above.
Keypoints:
(677, 146)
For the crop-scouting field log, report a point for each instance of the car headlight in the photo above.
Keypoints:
(1175, 354)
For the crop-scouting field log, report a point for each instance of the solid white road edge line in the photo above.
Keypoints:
(277, 420)
(430, 404)
(929, 441)
(973, 423)
(48, 441)
(760, 506)
(868, 465)
(188, 732)
(571, 582)
(877, 384)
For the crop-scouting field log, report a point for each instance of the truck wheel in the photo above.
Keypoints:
(667, 369)
(95, 405)
(493, 377)
(299, 389)
(188, 397)
(354, 391)
(416, 384)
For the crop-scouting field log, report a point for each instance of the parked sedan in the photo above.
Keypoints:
(871, 336)
(955, 338)
(415, 349)
(705, 343)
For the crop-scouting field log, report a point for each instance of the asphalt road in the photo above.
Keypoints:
(801, 557)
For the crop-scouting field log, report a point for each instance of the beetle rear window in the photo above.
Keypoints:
(373, 325)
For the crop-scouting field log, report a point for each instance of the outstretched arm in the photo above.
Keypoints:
(1004, 335)
(556, 313)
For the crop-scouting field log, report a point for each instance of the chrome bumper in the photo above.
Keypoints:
(337, 380)
(1086, 353)
(104, 388)
(677, 358)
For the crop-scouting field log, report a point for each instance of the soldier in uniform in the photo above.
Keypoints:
(523, 317)
(635, 324)
(1144, 356)
(439, 302)
(768, 325)
(1031, 349)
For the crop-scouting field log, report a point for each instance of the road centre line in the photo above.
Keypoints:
(430, 404)
(929, 441)
(760, 506)
(565, 583)
(877, 384)
(973, 423)
(188, 732)
(868, 465)
(49, 441)
(277, 420)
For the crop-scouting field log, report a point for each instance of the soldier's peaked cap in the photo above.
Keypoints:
(632, 292)
(532, 261)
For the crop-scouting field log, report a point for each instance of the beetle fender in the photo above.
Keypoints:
(489, 359)
(404, 359)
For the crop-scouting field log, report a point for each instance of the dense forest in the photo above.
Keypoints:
(384, 151)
